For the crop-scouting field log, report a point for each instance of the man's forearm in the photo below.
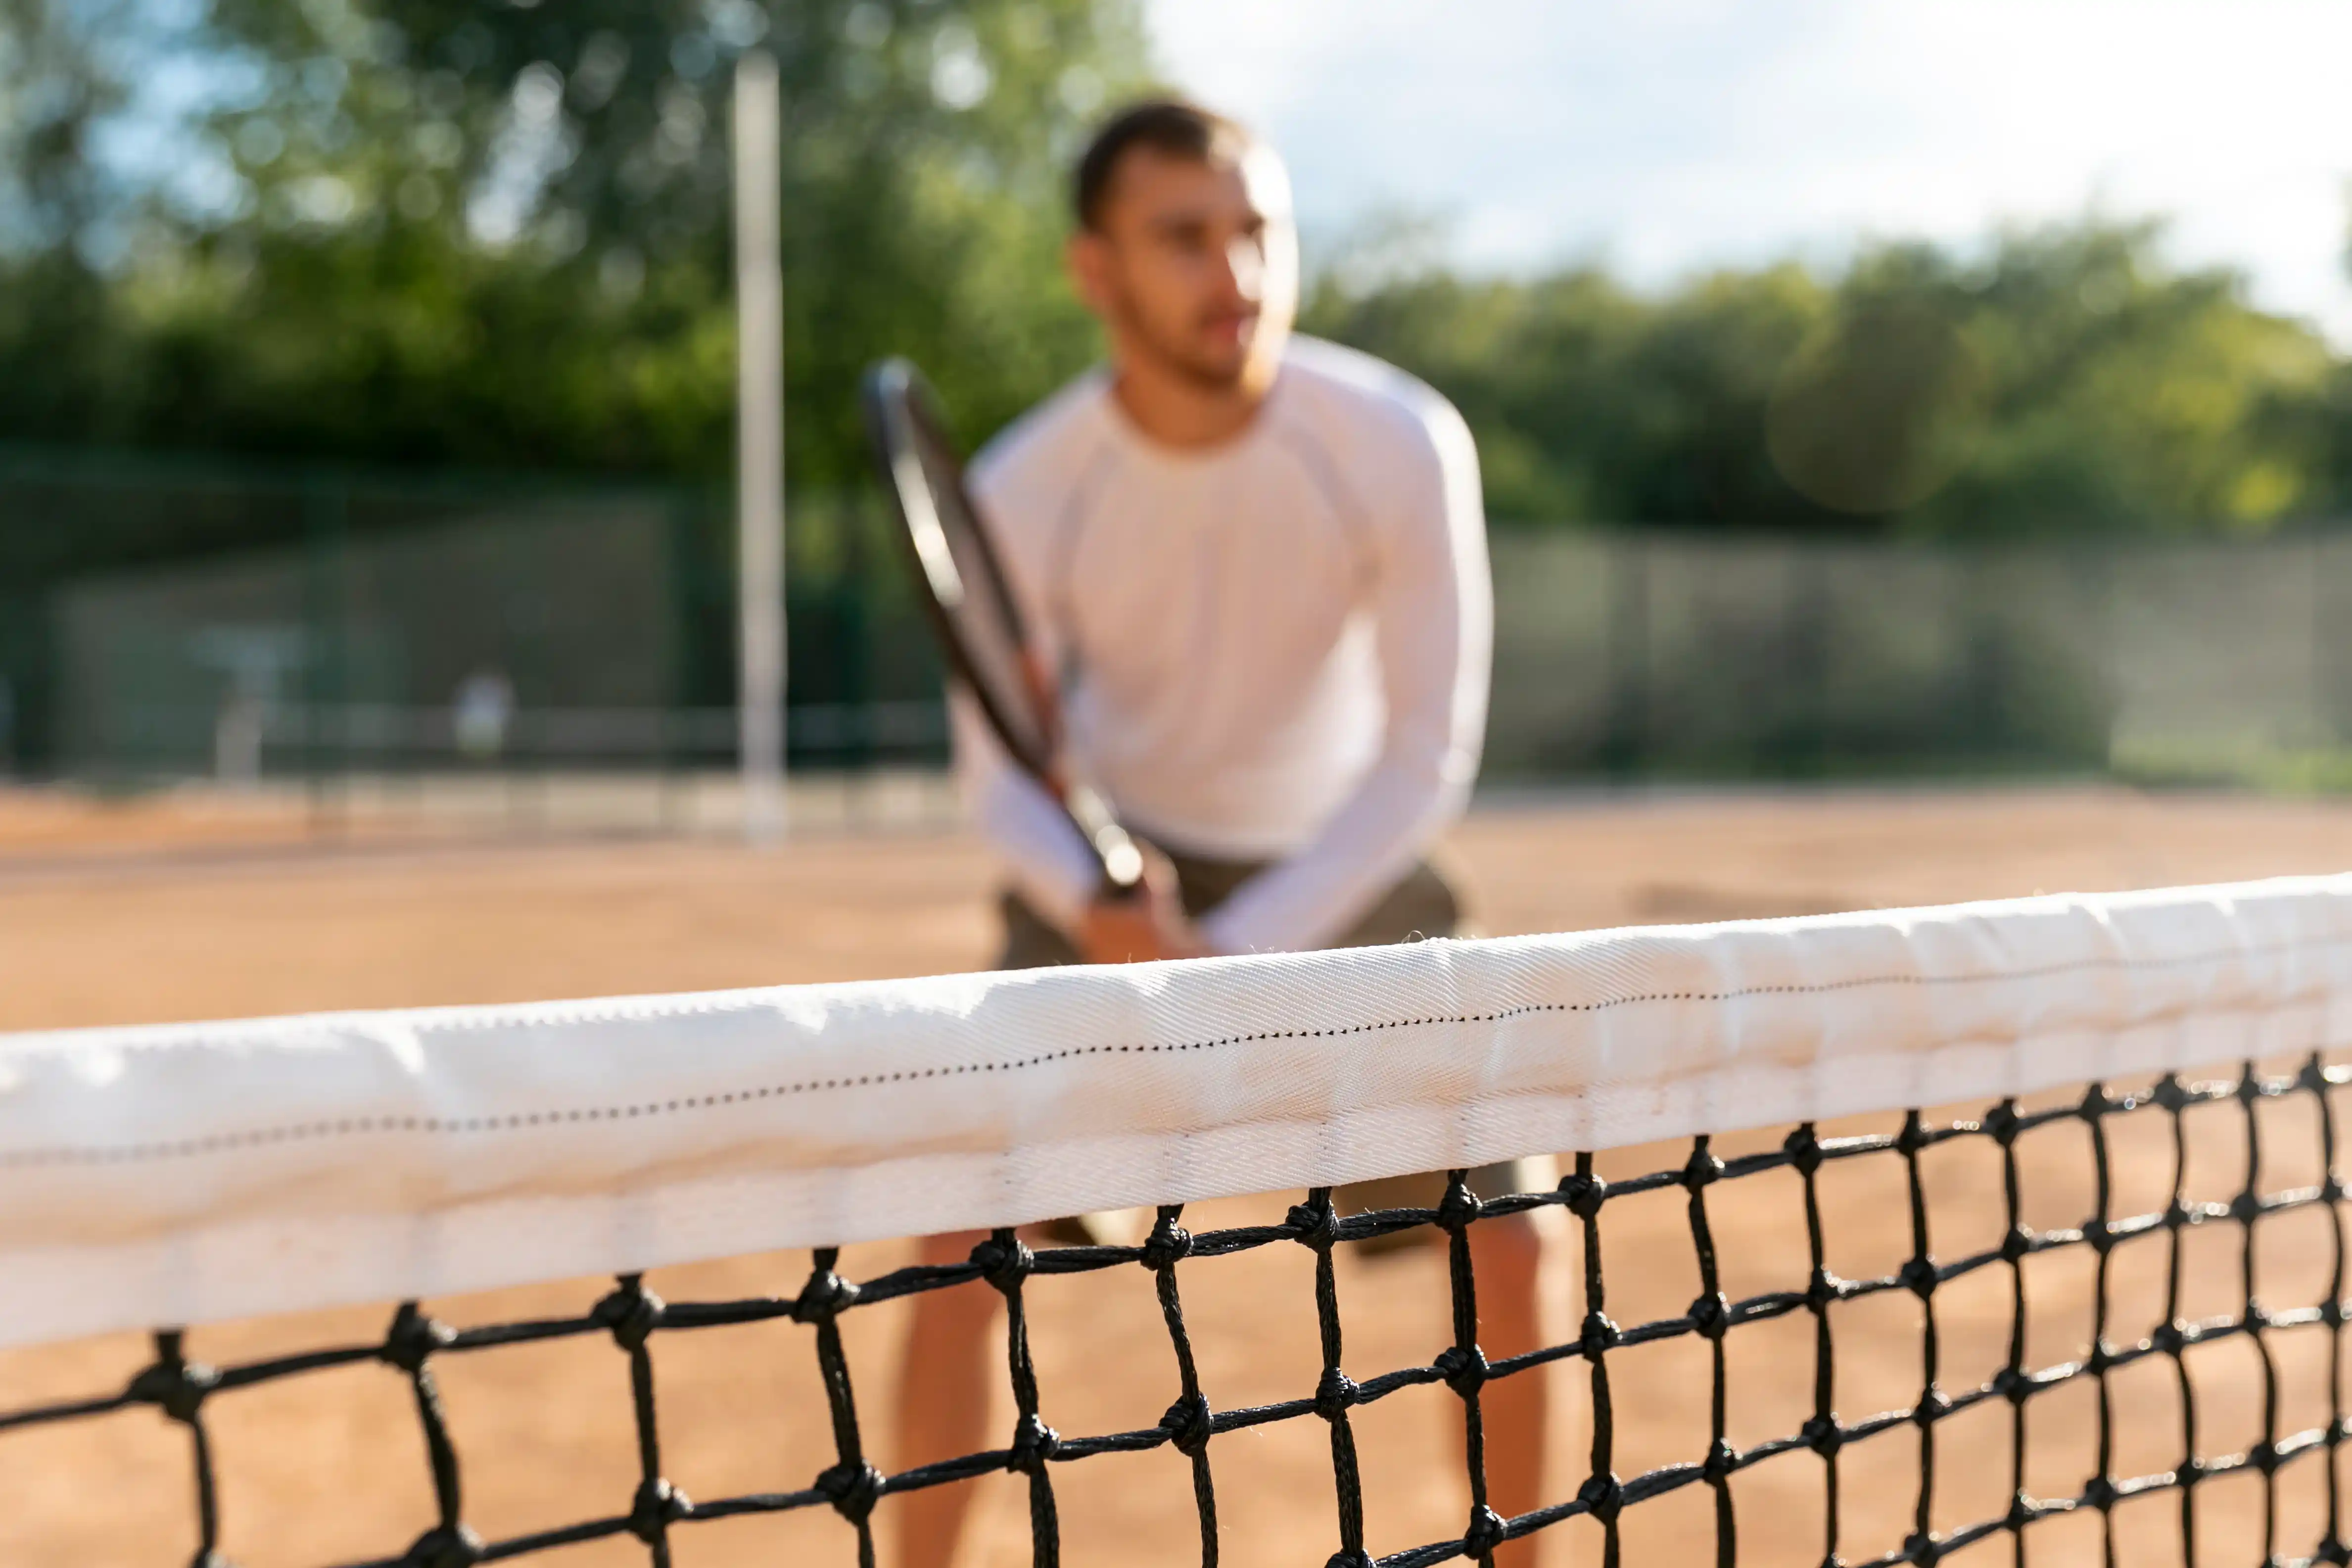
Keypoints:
(1316, 895)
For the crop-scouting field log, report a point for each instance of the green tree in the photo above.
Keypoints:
(2068, 379)
(500, 234)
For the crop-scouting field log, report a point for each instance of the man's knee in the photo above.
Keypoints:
(950, 1317)
(952, 1248)
(1507, 1250)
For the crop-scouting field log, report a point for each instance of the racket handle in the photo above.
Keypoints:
(1121, 858)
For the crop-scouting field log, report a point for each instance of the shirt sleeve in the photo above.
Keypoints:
(1433, 607)
(1041, 851)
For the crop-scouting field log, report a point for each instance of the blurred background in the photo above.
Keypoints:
(1943, 391)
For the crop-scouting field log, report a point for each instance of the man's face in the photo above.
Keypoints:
(1194, 264)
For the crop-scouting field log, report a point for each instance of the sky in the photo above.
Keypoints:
(1664, 136)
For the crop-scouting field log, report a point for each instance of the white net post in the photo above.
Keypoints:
(760, 400)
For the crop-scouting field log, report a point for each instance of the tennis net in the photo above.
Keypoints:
(2095, 1314)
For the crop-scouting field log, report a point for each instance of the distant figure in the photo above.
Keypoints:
(1258, 565)
(479, 714)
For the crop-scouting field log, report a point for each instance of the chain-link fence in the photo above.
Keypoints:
(1651, 654)
(487, 652)
(531, 655)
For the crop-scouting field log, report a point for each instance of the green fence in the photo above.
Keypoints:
(1645, 655)
(249, 626)
(161, 622)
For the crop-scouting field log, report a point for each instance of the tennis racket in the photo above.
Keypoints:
(971, 609)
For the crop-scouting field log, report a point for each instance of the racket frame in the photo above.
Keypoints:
(897, 401)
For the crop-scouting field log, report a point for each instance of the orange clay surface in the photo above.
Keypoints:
(147, 911)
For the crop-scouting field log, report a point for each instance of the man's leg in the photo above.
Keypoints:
(1506, 1255)
(946, 1384)
(944, 1401)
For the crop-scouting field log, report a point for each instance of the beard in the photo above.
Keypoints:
(1183, 353)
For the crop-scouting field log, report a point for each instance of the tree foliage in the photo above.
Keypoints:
(495, 233)
(447, 231)
(2068, 379)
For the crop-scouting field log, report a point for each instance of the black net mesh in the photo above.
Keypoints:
(415, 1343)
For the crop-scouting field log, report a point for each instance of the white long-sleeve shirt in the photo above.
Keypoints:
(1276, 648)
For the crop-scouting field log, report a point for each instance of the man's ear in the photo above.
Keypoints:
(1087, 256)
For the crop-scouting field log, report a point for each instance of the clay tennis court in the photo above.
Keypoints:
(141, 913)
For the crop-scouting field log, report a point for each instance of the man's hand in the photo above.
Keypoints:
(1148, 925)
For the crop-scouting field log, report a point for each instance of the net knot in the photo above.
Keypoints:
(1823, 1288)
(2171, 1093)
(2012, 1385)
(2169, 1339)
(1168, 1242)
(1711, 1316)
(1922, 1549)
(1350, 1557)
(1034, 1443)
(1464, 1369)
(1599, 1334)
(1722, 1458)
(1487, 1530)
(631, 1313)
(2016, 1244)
(1334, 1393)
(824, 1298)
(1918, 1277)
(2102, 1494)
(1460, 1205)
(2246, 1207)
(2102, 1359)
(2178, 1214)
(2264, 1457)
(2096, 1103)
(2100, 1235)
(413, 1337)
(1603, 1496)
(1933, 1406)
(2313, 1079)
(1803, 1148)
(852, 1489)
(1003, 1260)
(174, 1384)
(2249, 1088)
(2003, 1123)
(445, 1546)
(1187, 1425)
(1702, 1169)
(1914, 1137)
(656, 1507)
(1585, 1193)
(1315, 1221)
(2333, 1551)
(1824, 1435)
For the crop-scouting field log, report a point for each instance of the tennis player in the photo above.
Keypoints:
(1258, 564)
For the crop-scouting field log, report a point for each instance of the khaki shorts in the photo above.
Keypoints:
(1422, 903)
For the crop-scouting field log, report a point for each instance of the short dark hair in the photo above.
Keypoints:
(1167, 126)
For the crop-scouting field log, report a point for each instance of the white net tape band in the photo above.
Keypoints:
(185, 1173)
